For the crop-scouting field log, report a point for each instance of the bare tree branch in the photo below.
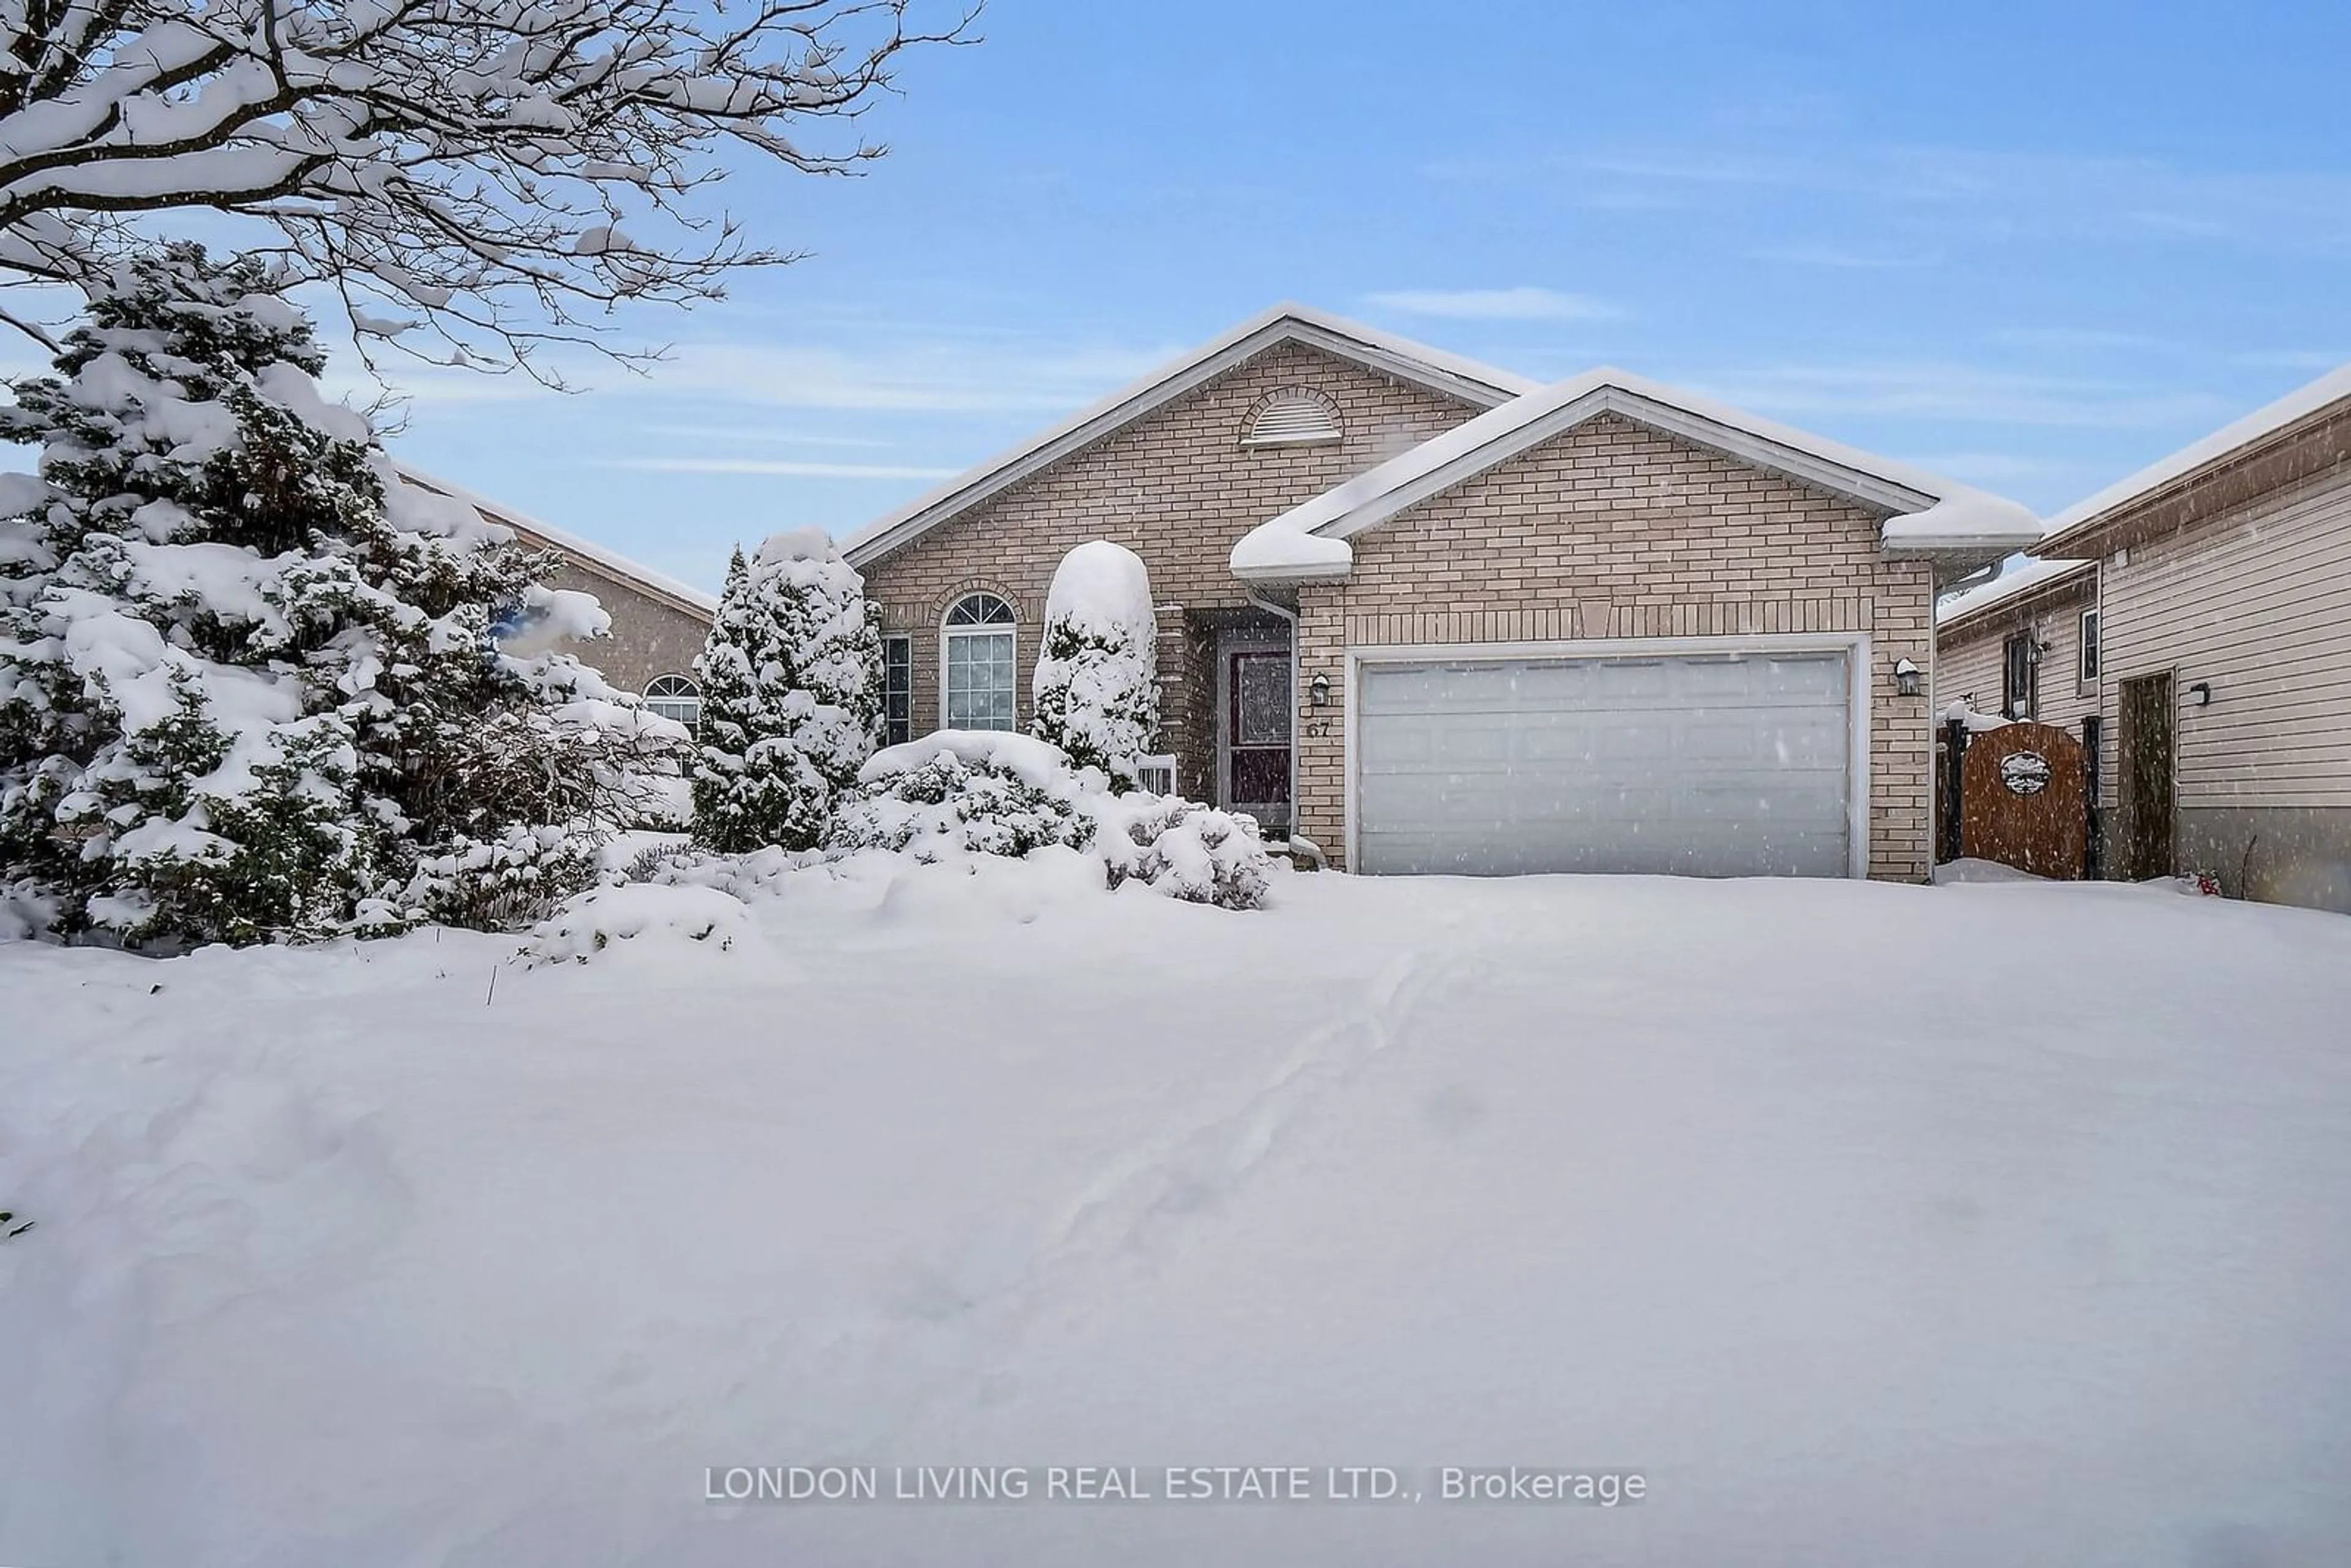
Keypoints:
(499, 176)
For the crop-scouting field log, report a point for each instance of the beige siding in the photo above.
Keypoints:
(1616, 530)
(2256, 601)
(1971, 667)
(1178, 488)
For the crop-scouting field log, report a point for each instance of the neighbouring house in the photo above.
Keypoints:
(658, 623)
(2224, 666)
(2023, 645)
(1430, 616)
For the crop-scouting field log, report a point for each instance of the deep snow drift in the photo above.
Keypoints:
(1869, 1224)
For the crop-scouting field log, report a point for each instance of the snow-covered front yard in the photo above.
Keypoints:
(1988, 1224)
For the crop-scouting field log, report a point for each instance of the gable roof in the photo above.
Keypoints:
(1479, 384)
(1985, 602)
(678, 595)
(2305, 404)
(1930, 514)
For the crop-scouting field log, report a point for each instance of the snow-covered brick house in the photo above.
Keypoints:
(1434, 617)
(2023, 645)
(2225, 663)
(658, 623)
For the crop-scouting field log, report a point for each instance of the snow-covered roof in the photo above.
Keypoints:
(2290, 410)
(1932, 513)
(1401, 357)
(2012, 584)
(660, 586)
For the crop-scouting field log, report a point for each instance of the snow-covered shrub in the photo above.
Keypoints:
(958, 791)
(791, 696)
(1183, 849)
(251, 685)
(1096, 686)
(653, 914)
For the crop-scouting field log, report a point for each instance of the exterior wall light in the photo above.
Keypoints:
(2200, 694)
(1318, 691)
(1907, 680)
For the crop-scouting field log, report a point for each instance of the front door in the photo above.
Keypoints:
(1257, 734)
(2146, 714)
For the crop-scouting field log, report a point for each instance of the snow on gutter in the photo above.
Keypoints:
(1930, 512)
(2268, 420)
(2010, 585)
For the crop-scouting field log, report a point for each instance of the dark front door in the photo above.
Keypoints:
(2146, 715)
(1257, 734)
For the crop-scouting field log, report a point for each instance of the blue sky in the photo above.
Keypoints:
(2032, 246)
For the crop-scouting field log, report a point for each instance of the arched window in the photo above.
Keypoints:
(674, 697)
(1294, 416)
(978, 681)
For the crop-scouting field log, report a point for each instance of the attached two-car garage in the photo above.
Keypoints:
(1735, 762)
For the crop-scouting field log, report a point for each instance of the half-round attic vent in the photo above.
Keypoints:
(1294, 416)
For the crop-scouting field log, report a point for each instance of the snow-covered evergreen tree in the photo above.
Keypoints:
(1096, 686)
(250, 683)
(791, 696)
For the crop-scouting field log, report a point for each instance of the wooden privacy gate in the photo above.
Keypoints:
(2023, 799)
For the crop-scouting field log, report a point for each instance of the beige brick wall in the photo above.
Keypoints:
(1176, 486)
(1615, 530)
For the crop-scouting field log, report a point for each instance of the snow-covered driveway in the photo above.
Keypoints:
(1869, 1225)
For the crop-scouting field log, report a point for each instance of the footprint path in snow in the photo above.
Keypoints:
(1162, 1185)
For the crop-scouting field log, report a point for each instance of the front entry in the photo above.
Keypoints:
(1253, 731)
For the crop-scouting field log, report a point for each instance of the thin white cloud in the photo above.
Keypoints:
(760, 435)
(1959, 393)
(944, 376)
(1523, 304)
(778, 466)
(1839, 257)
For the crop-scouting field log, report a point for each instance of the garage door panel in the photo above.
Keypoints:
(1700, 765)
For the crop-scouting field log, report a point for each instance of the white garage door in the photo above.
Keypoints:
(1733, 765)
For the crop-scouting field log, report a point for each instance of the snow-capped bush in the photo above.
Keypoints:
(252, 686)
(655, 916)
(986, 793)
(959, 791)
(1183, 849)
(791, 696)
(1096, 686)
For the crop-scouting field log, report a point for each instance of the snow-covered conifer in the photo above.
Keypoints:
(791, 696)
(250, 683)
(1096, 686)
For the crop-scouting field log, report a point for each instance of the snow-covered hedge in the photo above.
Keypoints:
(1096, 686)
(958, 793)
(1183, 849)
(657, 915)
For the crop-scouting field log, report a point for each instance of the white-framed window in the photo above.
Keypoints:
(2089, 646)
(897, 690)
(1294, 416)
(1156, 775)
(674, 697)
(978, 679)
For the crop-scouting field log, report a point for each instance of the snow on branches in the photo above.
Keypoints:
(791, 696)
(252, 686)
(1096, 686)
(497, 172)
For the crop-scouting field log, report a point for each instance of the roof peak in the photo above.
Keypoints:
(1470, 380)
